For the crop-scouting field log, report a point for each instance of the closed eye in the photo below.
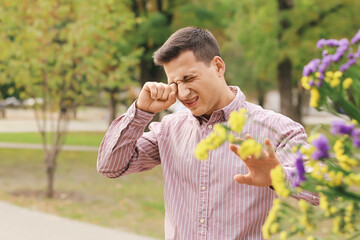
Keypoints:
(189, 79)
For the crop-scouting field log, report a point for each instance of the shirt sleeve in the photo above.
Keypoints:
(292, 134)
(126, 148)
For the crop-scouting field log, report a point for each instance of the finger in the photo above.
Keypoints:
(153, 90)
(269, 146)
(247, 136)
(166, 94)
(174, 87)
(170, 101)
(160, 90)
(234, 149)
(243, 179)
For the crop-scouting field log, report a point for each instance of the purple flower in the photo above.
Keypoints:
(356, 38)
(343, 46)
(356, 137)
(357, 54)
(297, 174)
(347, 65)
(329, 42)
(324, 53)
(340, 127)
(320, 43)
(322, 148)
(311, 67)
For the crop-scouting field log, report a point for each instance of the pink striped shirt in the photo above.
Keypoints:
(202, 200)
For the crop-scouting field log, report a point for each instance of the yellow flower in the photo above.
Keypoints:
(324, 204)
(201, 150)
(278, 181)
(270, 220)
(231, 138)
(237, 120)
(315, 97)
(347, 83)
(274, 228)
(335, 82)
(329, 74)
(352, 179)
(310, 238)
(303, 205)
(283, 235)
(220, 131)
(250, 147)
(336, 225)
(337, 74)
(345, 161)
(305, 82)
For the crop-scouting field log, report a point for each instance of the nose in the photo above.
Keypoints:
(183, 92)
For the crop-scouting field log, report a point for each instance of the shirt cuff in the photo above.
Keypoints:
(138, 116)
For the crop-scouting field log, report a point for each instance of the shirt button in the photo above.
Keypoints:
(210, 126)
(117, 135)
(203, 188)
(131, 115)
(202, 220)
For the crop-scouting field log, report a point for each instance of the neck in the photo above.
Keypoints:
(228, 96)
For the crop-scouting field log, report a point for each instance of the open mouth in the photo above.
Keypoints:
(191, 102)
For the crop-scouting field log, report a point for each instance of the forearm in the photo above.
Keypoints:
(295, 137)
(119, 146)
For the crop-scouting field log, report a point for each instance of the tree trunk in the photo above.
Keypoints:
(261, 99)
(285, 87)
(113, 106)
(50, 174)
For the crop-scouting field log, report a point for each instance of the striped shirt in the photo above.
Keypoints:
(202, 200)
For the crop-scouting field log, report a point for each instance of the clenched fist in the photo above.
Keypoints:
(155, 97)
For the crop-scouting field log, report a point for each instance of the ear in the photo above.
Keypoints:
(219, 65)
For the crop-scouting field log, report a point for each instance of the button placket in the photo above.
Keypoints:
(203, 199)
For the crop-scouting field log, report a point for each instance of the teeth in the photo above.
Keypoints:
(193, 101)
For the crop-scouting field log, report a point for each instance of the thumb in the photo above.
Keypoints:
(243, 179)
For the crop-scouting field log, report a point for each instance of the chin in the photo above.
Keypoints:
(198, 113)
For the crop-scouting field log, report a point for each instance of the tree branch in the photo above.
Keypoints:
(315, 22)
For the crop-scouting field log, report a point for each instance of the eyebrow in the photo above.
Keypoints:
(186, 77)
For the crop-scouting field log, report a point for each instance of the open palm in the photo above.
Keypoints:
(259, 168)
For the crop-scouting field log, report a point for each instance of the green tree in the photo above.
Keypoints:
(113, 57)
(45, 55)
(273, 40)
(252, 48)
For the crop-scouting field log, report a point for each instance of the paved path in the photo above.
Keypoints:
(39, 146)
(18, 223)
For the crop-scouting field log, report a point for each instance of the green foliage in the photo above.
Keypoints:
(252, 51)
(72, 138)
(257, 42)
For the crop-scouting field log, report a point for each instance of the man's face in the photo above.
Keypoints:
(199, 86)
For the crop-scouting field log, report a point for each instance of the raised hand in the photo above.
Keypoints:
(155, 97)
(259, 168)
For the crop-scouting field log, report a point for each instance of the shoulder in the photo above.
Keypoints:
(281, 125)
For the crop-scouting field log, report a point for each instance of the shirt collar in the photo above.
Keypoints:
(222, 115)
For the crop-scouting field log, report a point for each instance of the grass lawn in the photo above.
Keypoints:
(133, 203)
(72, 138)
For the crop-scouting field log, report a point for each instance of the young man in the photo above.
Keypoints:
(202, 200)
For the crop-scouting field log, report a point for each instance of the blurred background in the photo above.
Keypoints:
(69, 67)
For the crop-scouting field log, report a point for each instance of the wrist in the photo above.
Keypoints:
(139, 106)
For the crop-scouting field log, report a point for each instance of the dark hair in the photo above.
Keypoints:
(200, 41)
